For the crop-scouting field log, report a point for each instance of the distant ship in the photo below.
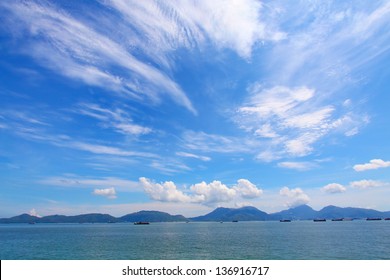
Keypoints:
(374, 219)
(235, 221)
(338, 220)
(141, 223)
(387, 219)
(285, 221)
(319, 220)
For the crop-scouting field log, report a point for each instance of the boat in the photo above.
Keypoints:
(374, 219)
(387, 219)
(31, 223)
(141, 223)
(337, 219)
(319, 220)
(235, 221)
(285, 221)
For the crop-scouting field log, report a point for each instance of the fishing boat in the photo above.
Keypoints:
(141, 223)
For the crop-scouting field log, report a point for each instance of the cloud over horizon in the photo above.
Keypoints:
(205, 193)
(297, 196)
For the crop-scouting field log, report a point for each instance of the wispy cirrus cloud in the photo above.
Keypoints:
(170, 25)
(300, 166)
(117, 119)
(75, 49)
(190, 155)
(335, 41)
(76, 181)
(206, 142)
(373, 164)
(65, 141)
(86, 48)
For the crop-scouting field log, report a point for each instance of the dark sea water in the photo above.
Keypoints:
(209, 240)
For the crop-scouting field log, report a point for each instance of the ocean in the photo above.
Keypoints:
(297, 240)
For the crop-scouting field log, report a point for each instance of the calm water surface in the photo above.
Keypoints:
(242, 240)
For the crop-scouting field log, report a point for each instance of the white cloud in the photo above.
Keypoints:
(301, 166)
(243, 204)
(34, 213)
(169, 166)
(105, 150)
(373, 164)
(171, 25)
(166, 191)
(205, 142)
(203, 193)
(213, 192)
(247, 190)
(289, 121)
(116, 119)
(367, 184)
(189, 155)
(87, 182)
(76, 50)
(109, 193)
(331, 45)
(297, 196)
(333, 188)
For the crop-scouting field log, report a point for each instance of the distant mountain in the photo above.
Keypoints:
(302, 212)
(24, 218)
(248, 213)
(305, 212)
(85, 218)
(230, 214)
(334, 212)
(152, 216)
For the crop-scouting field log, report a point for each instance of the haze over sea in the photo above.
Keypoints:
(306, 240)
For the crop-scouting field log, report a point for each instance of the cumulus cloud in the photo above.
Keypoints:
(212, 193)
(204, 193)
(297, 196)
(109, 192)
(247, 190)
(34, 213)
(373, 164)
(367, 184)
(166, 191)
(333, 188)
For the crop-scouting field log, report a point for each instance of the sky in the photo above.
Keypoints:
(118, 106)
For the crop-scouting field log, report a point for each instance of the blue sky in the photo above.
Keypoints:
(182, 106)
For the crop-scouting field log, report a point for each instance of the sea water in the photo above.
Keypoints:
(296, 240)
